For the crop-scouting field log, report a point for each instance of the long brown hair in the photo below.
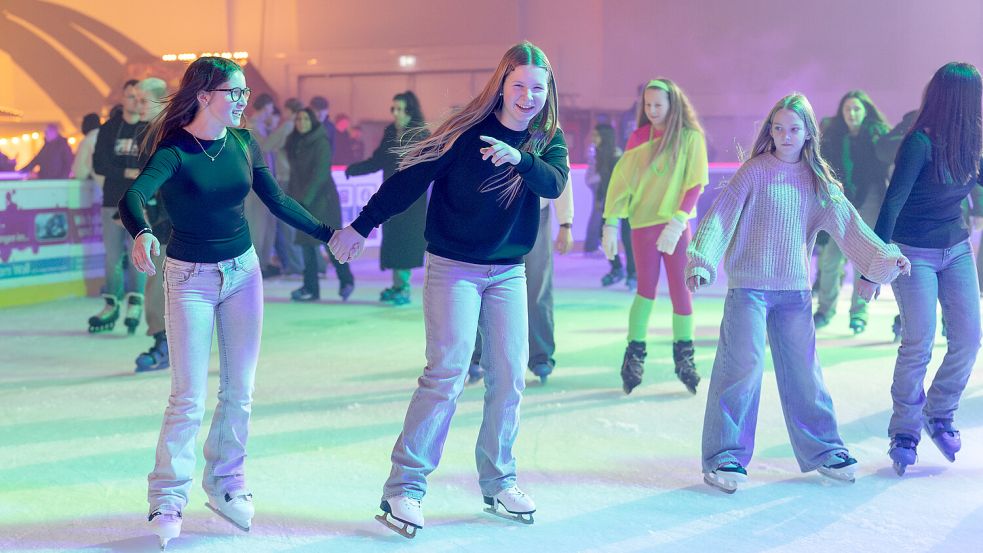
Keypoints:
(541, 129)
(681, 115)
(180, 108)
(764, 144)
(950, 115)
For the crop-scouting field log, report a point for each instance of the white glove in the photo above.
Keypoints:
(670, 236)
(609, 241)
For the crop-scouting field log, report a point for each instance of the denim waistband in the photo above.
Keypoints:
(235, 263)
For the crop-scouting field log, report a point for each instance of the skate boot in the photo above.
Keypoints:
(896, 328)
(840, 467)
(614, 276)
(105, 320)
(820, 319)
(542, 370)
(134, 311)
(401, 296)
(903, 452)
(237, 509)
(682, 355)
(165, 521)
(945, 437)
(727, 477)
(386, 295)
(157, 358)
(857, 324)
(345, 290)
(406, 515)
(518, 506)
(633, 366)
(302, 294)
(475, 373)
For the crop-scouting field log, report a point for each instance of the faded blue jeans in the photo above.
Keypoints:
(945, 276)
(735, 384)
(201, 298)
(458, 300)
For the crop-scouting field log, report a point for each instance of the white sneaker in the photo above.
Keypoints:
(405, 511)
(519, 505)
(165, 521)
(237, 509)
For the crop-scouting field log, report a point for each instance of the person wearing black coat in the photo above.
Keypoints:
(312, 186)
(402, 236)
(849, 144)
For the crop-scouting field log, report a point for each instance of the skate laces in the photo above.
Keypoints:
(942, 425)
(164, 511)
(514, 492)
(904, 441)
(839, 460)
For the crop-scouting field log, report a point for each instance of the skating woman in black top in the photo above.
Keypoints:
(204, 167)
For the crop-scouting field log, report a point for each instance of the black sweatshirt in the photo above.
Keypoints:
(205, 198)
(117, 149)
(918, 210)
(463, 222)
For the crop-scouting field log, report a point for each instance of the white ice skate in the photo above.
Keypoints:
(237, 509)
(727, 477)
(518, 505)
(406, 514)
(840, 467)
(165, 521)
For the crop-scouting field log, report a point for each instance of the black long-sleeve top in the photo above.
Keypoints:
(383, 158)
(865, 175)
(465, 223)
(918, 210)
(205, 198)
(117, 149)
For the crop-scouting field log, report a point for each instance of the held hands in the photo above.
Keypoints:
(868, 290)
(346, 244)
(143, 247)
(904, 265)
(695, 282)
(609, 241)
(499, 152)
(670, 236)
(564, 241)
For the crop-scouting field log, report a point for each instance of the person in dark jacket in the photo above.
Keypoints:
(54, 161)
(849, 145)
(311, 185)
(402, 236)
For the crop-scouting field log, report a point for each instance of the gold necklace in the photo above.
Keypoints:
(211, 157)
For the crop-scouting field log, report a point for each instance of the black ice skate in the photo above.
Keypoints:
(157, 358)
(633, 365)
(134, 311)
(105, 320)
(403, 515)
(518, 506)
(683, 356)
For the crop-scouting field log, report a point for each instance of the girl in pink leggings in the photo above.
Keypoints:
(655, 186)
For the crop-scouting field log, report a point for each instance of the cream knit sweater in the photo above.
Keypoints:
(765, 221)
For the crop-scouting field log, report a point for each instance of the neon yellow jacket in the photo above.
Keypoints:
(649, 194)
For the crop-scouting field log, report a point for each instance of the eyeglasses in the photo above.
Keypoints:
(234, 93)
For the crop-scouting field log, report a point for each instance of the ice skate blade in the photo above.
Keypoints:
(163, 543)
(229, 520)
(900, 468)
(508, 515)
(838, 477)
(403, 530)
(726, 486)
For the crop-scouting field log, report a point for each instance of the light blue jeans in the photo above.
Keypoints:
(460, 299)
(200, 298)
(938, 276)
(121, 275)
(735, 384)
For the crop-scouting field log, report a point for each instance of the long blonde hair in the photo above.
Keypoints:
(542, 128)
(764, 144)
(680, 115)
